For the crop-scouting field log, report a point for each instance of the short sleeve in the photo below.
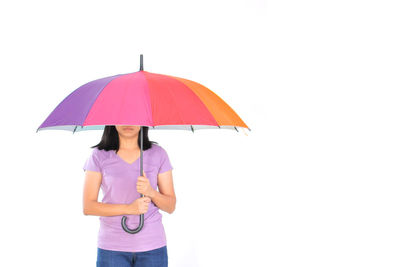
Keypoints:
(92, 162)
(165, 164)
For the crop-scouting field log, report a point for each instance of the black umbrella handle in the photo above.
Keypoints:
(141, 222)
(133, 231)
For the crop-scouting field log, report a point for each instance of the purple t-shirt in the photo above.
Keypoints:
(119, 187)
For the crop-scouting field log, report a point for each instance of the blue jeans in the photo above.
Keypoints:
(152, 258)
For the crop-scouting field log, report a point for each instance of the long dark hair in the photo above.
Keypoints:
(110, 139)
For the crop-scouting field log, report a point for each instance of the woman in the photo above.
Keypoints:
(114, 165)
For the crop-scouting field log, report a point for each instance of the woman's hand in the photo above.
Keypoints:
(143, 186)
(138, 206)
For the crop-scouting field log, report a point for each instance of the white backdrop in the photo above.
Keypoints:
(316, 181)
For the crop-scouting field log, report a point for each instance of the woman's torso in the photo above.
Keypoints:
(118, 185)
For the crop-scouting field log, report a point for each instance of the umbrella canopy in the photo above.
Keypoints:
(142, 98)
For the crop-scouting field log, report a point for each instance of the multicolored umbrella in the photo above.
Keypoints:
(146, 99)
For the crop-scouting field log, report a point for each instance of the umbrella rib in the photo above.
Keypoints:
(115, 77)
(178, 79)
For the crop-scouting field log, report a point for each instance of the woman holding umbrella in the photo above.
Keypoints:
(139, 98)
(114, 166)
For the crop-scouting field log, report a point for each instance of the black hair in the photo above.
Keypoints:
(110, 139)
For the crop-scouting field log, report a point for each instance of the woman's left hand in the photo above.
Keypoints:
(143, 186)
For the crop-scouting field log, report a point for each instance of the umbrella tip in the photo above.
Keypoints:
(141, 62)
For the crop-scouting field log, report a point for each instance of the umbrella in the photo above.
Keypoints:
(142, 98)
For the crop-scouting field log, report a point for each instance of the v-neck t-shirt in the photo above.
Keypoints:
(118, 185)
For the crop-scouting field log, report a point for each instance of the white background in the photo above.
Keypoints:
(316, 181)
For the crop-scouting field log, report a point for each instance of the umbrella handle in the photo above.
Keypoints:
(133, 231)
(141, 222)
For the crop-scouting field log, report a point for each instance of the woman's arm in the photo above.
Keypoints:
(165, 199)
(90, 195)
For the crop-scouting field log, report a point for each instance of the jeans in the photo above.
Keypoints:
(152, 258)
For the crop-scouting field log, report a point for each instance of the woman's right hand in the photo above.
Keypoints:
(139, 206)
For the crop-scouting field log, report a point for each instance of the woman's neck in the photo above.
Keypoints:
(128, 143)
